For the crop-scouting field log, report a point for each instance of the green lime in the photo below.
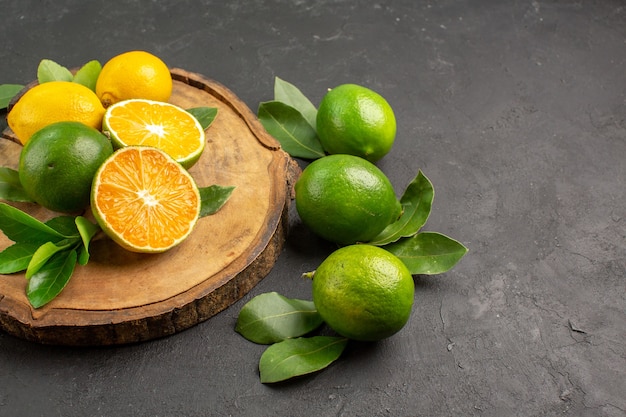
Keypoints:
(58, 163)
(345, 199)
(363, 292)
(355, 120)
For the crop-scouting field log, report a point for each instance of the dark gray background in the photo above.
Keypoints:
(515, 110)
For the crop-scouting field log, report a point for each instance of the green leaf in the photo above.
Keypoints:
(297, 137)
(10, 186)
(21, 227)
(49, 70)
(16, 257)
(213, 198)
(46, 284)
(204, 115)
(301, 356)
(87, 231)
(88, 74)
(7, 92)
(416, 203)
(42, 255)
(66, 225)
(428, 253)
(290, 95)
(271, 317)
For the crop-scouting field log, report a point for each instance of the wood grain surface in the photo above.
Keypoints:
(122, 297)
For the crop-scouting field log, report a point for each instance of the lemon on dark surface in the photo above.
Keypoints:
(363, 292)
(58, 163)
(355, 120)
(345, 199)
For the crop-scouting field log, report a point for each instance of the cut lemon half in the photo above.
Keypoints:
(152, 123)
(144, 200)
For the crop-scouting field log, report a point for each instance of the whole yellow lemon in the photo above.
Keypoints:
(131, 75)
(54, 101)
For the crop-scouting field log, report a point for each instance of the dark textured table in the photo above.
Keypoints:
(515, 110)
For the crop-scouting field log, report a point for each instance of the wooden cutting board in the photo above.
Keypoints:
(122, 297)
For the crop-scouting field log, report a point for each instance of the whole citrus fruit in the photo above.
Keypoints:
(51, 102)
(354, 120)
(345, 199)
(134, 74)
(363, 292)
(144, 200)
(58, 163)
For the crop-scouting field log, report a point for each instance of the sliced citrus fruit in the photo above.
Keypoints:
(153, 123)
(144, 200)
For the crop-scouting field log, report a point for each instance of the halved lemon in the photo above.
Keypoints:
(153, 123)
(144, 200)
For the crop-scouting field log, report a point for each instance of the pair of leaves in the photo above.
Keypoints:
(271, 318)
(425, 253)
(48, 252)
(290, 118)
(86, 75)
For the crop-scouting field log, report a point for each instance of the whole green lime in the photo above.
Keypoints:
(363, 292)
(354, 120)
(58, 163)
(345, 199)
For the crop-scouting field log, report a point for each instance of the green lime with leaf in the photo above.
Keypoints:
(346, 199)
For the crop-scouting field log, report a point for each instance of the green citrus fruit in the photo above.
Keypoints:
(355, 120)
(363, 292)
(345, 199)
(58, 163)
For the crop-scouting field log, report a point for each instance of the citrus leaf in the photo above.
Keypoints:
(7, 92)
(16, 257)
(271, 317)
(42, 255)
(66, 225)
(10, 186)
(428, 253)
(21, 227)
(416, 205)
(87, 231)
(290, 128)
(88, 74)
(213, 198)
(49, 70)
(46, 284)
(301, 356)
(290, 95)
(204, 115)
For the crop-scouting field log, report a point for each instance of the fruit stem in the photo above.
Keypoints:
(308, 275)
